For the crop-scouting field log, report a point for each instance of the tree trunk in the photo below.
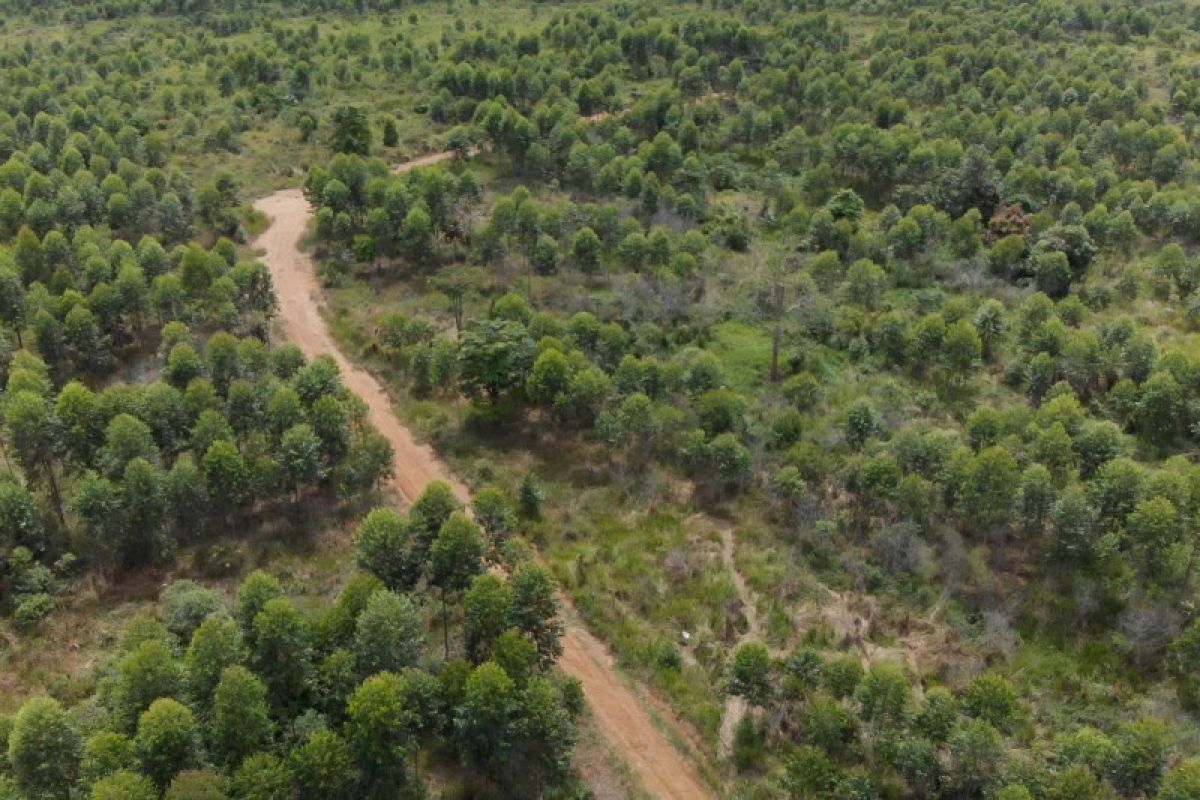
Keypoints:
(445, 626)
(54, 494)
(776, 336)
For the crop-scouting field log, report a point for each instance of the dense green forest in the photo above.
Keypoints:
(838, 362)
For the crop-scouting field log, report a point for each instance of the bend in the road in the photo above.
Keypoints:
(621, 718)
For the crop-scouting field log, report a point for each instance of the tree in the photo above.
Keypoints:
(263, 776)
(865, 282)
(416, 234)
(241, 721)
(300, 456)
(382, 731)
(282, 653)
(124, 785)
(1141, 760)
(775, 291)
(455, 557)
(216, 645)
(388, 634)
(750, 674)
(1182, 782)
(535, 610)
(391, 136)
(252, 596)
(545, 255)
(861, 422)
(105, 753)
(197, 784)
(1159, 410)
(457, 282)
(1153, 528)
(830, 726)
(977, 756)
(484, 721)
(991, 698)
(384, 544)
(961, 350)
(20, 523)
(13, 309)
(545, 732)
(35, 437)
(988, 490)
(809, 773)
(323, 767)
(430, 511)
(44, 750)
(487, 610)
(351, 130)
(186, 604)
(585, 250)
(147, 672)
(495, 357)
(493, 511)
(226, 475)
(167, 740)
(183, 364)
(883, 694)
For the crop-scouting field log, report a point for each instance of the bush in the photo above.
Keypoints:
(32, 609)
(186, 604)
(749, 745)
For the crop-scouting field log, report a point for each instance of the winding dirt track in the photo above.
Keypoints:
(662, 771)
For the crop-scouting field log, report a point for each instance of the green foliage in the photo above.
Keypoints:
(750, 674)
(44, 749)
(388, 635)
(167, 741)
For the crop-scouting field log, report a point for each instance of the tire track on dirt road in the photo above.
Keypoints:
(622, 719)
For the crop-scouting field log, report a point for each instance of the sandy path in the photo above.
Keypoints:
(298, 292)
(663, 771)
(735, 705)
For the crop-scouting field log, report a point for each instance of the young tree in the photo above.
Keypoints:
(382, 731)
(105, 753)
(535, 610)
(197, 784)
(750, 674)
(44, 750)
(216, 645)
(226, 476)
(282, 653)
(300, 456)
(351, 130)
(430, 511)
(241, 719)
(495, 514)
(263, 776)
(487, 610)
(485, 720)
(495, 357)
(167, 740)
(385, 545)
(455, 558)
(35, 437)
(585, 250)
(457, 283)
(388, 635)
(147, 672)
(323, 767)
(124, 785)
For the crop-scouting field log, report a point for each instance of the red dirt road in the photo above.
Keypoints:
(661, 770)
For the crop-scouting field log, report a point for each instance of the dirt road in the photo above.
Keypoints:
(663, 771)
